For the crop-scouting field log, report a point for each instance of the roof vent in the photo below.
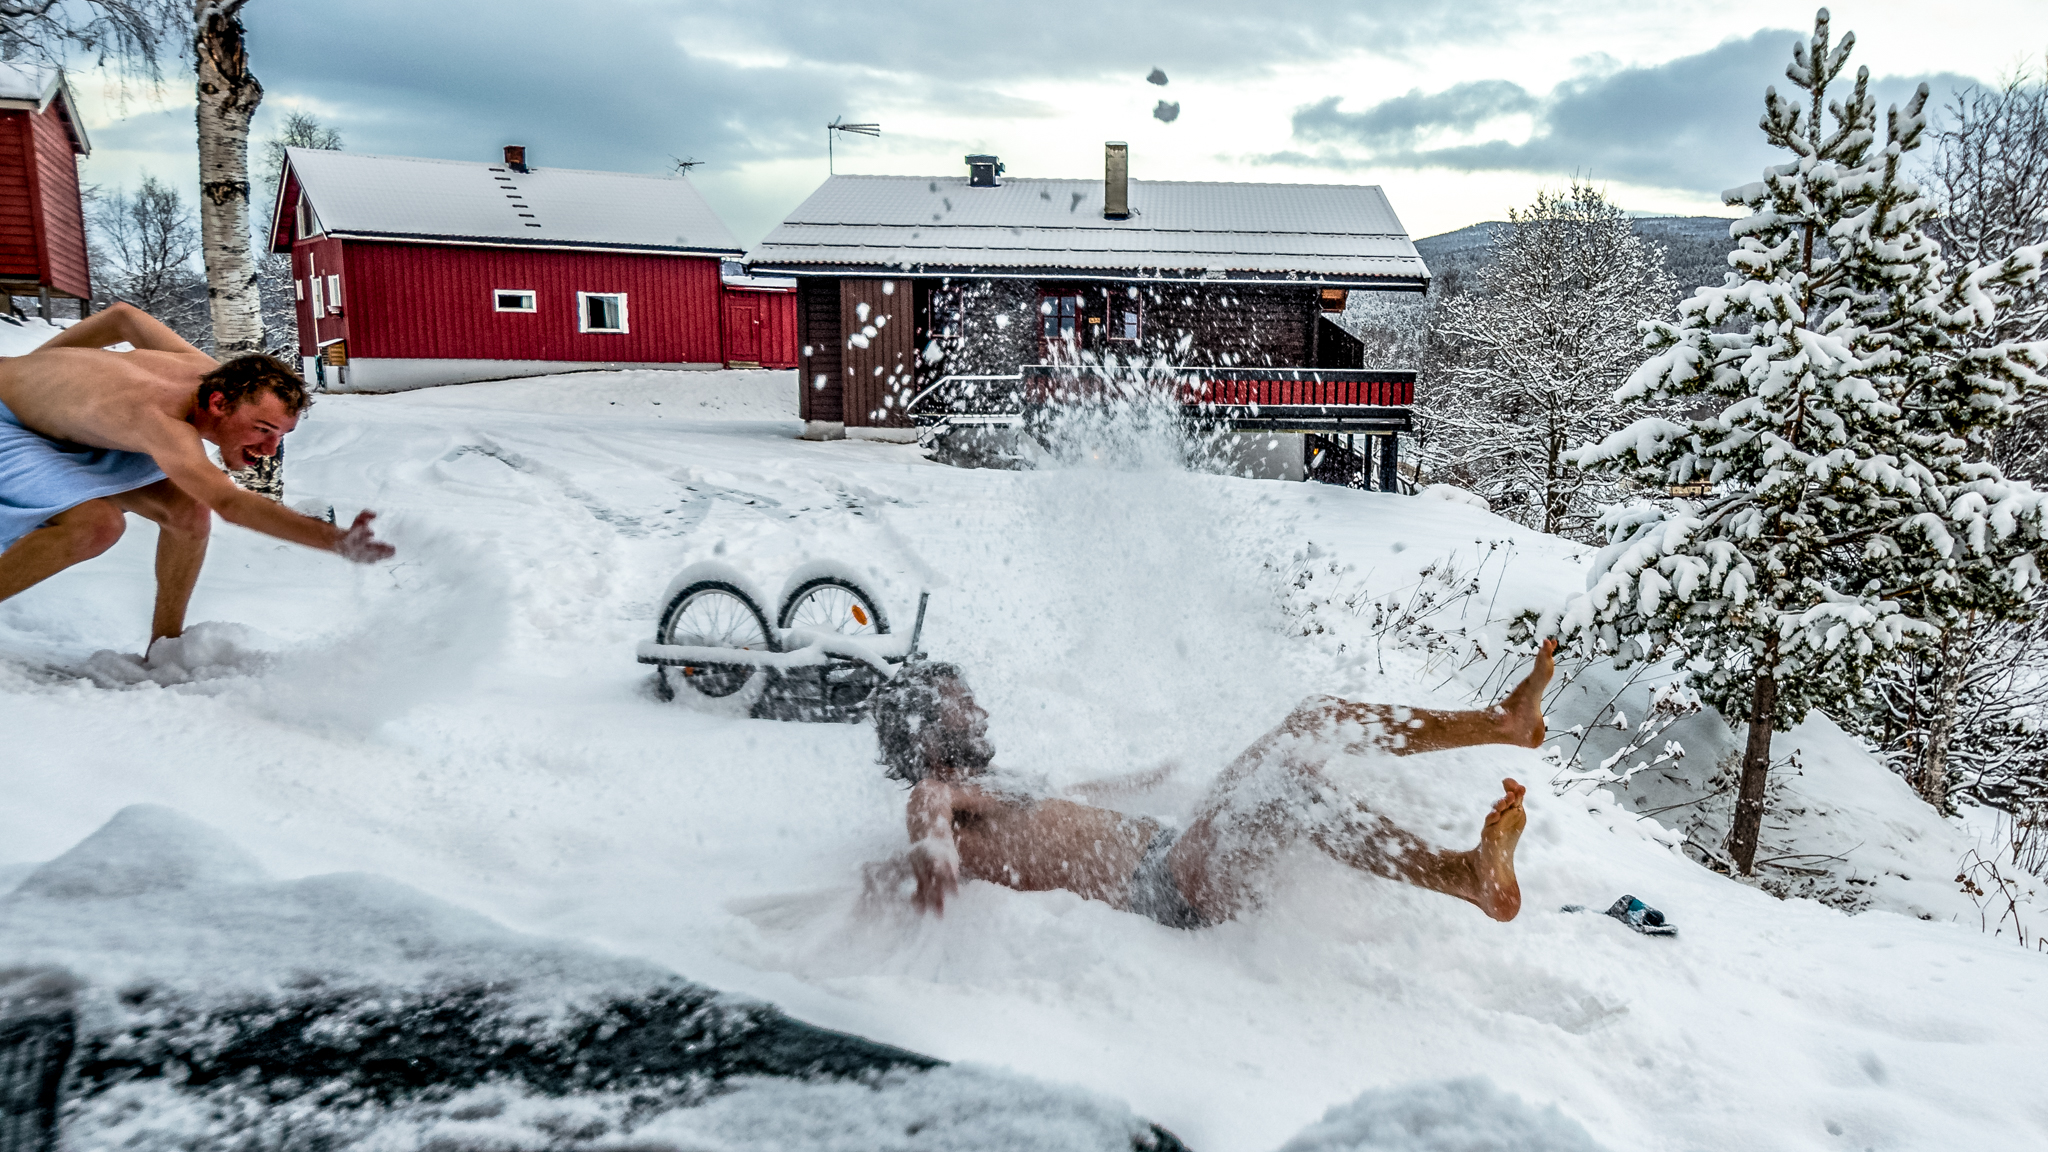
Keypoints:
(1116, 180)
(515, 157)
(983, 171)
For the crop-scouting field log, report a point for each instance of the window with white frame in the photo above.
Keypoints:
(309, 222)
(514, 300)
(333, 292)
(319, 300)
(600, 311)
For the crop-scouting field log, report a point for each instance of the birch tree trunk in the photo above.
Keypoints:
(228, 95)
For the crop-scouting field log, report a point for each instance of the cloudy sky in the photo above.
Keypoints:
(1460, 109)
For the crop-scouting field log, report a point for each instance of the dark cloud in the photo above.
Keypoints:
(1069, 38)
(1688, 124)
(1395, 124)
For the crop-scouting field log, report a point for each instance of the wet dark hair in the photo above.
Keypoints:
(242, 377)
(902, 707)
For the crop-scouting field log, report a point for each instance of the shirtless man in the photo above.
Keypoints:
(963, 821)
(88, 435)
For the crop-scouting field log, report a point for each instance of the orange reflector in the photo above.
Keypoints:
(860, 617)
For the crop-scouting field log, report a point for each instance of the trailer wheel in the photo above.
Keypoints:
(833, 604)
(713, 614)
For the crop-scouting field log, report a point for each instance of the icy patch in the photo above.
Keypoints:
(143, 849)
(1450, 1116)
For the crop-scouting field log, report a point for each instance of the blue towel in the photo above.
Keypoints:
(41, 477)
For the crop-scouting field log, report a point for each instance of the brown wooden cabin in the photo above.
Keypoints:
(905, 283)
(42, 220)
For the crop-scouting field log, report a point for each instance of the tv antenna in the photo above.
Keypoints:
(684, 166)
(838, 125)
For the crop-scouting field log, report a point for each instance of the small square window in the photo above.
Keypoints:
(601, 311)
(513, 300)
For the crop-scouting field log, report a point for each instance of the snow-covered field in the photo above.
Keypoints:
(468, 720)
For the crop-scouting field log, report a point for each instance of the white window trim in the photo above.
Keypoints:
(334, 292)
(532, 299)
(583, 313)
(299, 286)
(309, 220)
(319, 300)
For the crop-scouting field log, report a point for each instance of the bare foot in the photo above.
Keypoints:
(1500, 895)
(1521, 714)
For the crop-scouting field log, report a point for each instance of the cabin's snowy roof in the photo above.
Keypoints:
(31, 87)
(360, 196)
(1315, 233)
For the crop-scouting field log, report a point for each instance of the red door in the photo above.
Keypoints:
(743, 329)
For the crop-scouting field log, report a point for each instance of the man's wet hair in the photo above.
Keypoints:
(243, 377)
(913, 698)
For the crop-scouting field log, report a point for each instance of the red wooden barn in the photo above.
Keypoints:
(415, 272)
(42, 223)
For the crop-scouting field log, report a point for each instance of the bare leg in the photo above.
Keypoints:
(1517, 719)
(183, 528)
(1483, 876)
(71, 537)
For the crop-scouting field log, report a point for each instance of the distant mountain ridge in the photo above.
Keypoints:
(1696, 248)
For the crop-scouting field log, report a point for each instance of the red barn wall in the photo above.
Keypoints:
(20, 258)
(778, 330)
(775, 312)
(419, 301)
(321, 257)
(63, 216)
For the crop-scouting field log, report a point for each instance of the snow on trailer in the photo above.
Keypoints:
(828, 651)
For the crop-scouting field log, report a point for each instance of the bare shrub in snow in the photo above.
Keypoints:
(142, 245)
(1844, 404)
(1552, 331)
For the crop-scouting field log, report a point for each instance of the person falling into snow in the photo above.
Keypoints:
(965, 820)
(88, 436)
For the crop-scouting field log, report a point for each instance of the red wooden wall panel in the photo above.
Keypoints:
(63, 214)
(778, 330)
(319, 257)
(773, 317)
(19, 258)
(406, 301)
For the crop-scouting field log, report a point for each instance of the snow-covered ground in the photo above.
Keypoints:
(468, 720)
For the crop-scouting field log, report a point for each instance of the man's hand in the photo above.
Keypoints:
(359, 545)
(936, 864)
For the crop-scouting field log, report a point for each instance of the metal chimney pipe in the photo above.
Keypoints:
(1116, 180)
(515, 157)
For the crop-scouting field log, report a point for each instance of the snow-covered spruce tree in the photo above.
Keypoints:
(1552, 330)
(1851, 516)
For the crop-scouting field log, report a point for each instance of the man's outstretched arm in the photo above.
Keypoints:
(934, 857)
(176, 449)
(119, 323)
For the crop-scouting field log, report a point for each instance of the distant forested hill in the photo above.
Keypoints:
(1697, 248)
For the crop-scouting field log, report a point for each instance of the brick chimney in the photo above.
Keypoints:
(515, 157)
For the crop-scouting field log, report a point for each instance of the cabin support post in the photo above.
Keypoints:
(43, 297)
(1390, 466)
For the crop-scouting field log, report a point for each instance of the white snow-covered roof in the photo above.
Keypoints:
(356, 195)
(1332, 233)
(31, 87)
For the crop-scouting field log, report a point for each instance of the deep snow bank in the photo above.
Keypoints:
(219, 1008)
